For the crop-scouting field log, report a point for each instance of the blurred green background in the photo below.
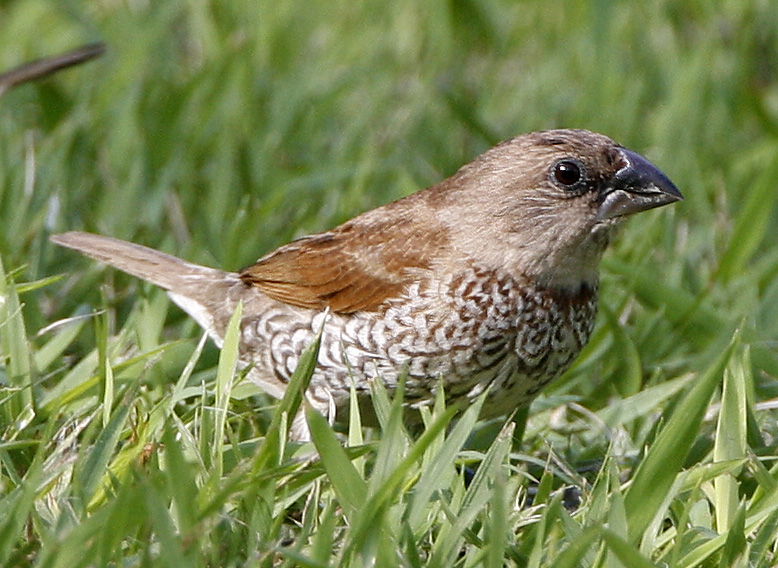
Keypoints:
(261, 121)
(219, 130)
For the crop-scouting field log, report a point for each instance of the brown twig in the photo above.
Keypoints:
(48, 65)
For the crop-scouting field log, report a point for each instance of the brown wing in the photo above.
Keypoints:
(355, 267)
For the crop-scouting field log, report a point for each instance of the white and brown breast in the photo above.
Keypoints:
(475, 331)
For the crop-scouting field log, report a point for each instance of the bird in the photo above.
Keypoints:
(486, 282)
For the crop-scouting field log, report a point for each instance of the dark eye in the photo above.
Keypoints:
(567, 173)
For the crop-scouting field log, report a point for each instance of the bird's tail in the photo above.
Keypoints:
(163, 270)
(206, 294)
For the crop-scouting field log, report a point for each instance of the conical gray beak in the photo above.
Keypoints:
(638, 186)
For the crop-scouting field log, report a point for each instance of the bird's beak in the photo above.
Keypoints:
(638, 186)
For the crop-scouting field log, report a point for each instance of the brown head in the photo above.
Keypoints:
(544, 205)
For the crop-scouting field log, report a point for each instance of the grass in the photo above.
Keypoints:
(217, 131)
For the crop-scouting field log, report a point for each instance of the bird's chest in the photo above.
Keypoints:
(481, 329)
(475, 331)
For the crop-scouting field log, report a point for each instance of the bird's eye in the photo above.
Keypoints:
(567, 173)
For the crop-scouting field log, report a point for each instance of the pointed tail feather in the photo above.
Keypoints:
(163, 270)
(204, 293)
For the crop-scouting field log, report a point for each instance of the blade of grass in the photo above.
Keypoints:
(102, 327)
(734, 550)
(435, 477)
(95, 465)
(350, 488)
(288, 408)
(645, 402)
(573, 556)
(172, 553)
(395, 440)
(375, 506)
(51, 351)
(628, 376)
(497, 522)
(627, 554)
(656, 473)
(445, 551)
(730, 443)
(225, 374)
(180, 483)
(16, 349)
(751, 223)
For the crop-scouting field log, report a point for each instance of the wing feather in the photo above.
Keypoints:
(350, 268)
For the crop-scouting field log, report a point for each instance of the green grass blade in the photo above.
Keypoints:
(627, 554)
(664, 460)
(225, 375)
(350, 488)
(180, 483)
(298, 383)
(64, 335)
(288, 408)
(628, 376)
(13, 340)
(93, 468)
(735, 548)
(102, 332)
(643, 403)
(573, 556)
(172, 553)
(498, 527)
(752, 225)
(730, 441)
(440, 471)
(701, 323)
(373, 509)
(761, 545)
(477, 496)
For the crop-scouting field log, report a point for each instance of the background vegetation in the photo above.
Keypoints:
(219, 130)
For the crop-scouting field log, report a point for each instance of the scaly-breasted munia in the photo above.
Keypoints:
(486, 281)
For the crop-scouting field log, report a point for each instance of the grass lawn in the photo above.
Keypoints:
(219, 130)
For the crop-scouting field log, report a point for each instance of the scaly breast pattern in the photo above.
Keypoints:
(475, 331)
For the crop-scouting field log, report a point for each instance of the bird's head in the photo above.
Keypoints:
(545, 204)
